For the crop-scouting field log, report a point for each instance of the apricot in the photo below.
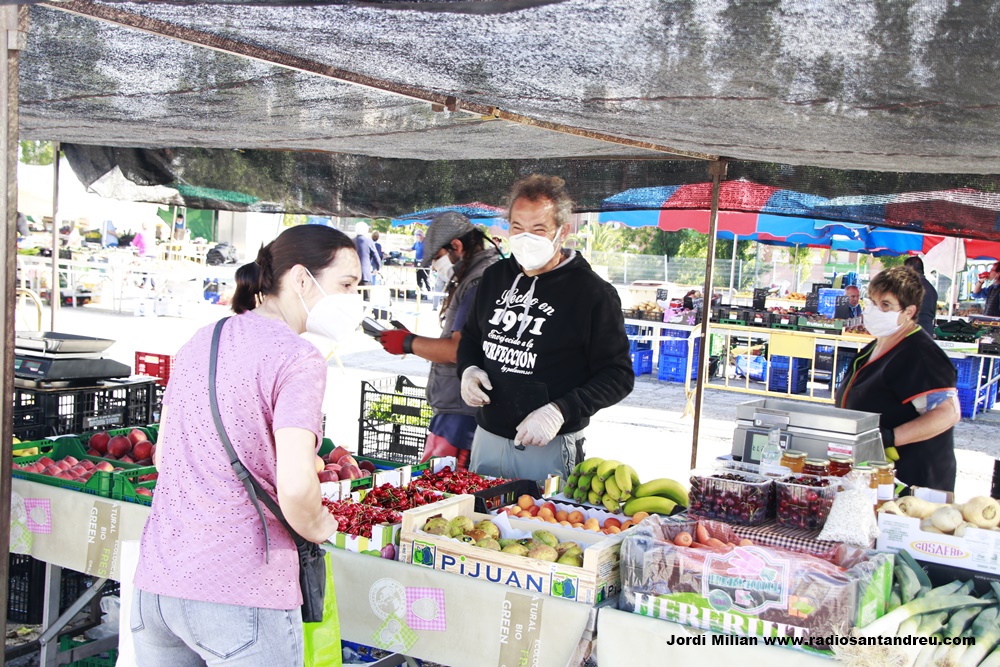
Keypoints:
(533, 510)
(611, 521)
(551, 520)
(612, 530)
(546, 513)
(639, 516)
(592, 524)
(525, 501)
(577, 524)
(627, 524)
(551, 507)
(562, 515)
(576, 516)
(566, 523)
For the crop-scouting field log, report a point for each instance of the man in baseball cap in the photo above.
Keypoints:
(451, 242)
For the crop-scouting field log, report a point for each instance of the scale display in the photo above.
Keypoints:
(756, 441)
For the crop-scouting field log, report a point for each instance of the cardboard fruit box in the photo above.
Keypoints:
(593, 583)
(978, 550)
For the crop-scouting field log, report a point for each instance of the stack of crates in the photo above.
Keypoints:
(969, 399)
(989, 370)
(789, 372)
(641, 351)
(674, 356)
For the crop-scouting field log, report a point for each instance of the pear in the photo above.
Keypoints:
(516, 549)
(506, 541)
(488, 543)
(544, 552)
(573, 551)
(545, 537)
(459, 526)
(568, 559)
(436, 526)
(477, 534)
(563, 547)
(489, 528)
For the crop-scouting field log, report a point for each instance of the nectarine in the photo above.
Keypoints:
(135, 436)
(99, 442)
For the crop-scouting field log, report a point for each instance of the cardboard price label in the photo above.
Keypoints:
(102, 539)
(520, 631)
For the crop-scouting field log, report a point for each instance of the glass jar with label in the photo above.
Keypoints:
(885, 474)
(864, 474)
(793, 459)
(816, 467)
(840, 464)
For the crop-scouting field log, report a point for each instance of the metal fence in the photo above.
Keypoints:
(624, 268)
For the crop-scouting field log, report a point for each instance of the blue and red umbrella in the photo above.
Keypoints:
(492, 217)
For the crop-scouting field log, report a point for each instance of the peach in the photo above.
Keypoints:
(639, 516)
(71, 460)
(135, 436)
(551, 507)
(533, 510)
(327, 476)
(348, 460)
(611, 521)
(319, 464)
(546, 513)
(45, 462)
(566, 523)
(93, 452)
(525, 501)
(143, 491)
(592, 524)
(349, 472)
(127, 459)
(143, 450)
(119, 446)
(551, 519)
(99, 442)
(337, 454)
(576, 516)
(612, 530)
(627, 524)
(104, 466)
(577, 525)
(562, 515)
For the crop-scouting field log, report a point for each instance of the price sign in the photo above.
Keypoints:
(662, 295)
(812, 303)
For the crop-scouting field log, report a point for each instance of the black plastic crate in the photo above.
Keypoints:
(26, 589)
(394, 420)
(40, 413)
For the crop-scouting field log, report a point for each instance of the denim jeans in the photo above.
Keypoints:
(173, 632)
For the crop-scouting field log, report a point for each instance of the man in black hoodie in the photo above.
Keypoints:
(545, 346)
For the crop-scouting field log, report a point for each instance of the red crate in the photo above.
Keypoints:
(154, 365)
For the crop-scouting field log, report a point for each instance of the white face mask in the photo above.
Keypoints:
(335, 316)
(882, 324)
(532, 251)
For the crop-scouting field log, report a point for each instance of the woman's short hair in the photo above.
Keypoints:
(902, 283)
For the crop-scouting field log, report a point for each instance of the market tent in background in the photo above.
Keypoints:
(493, 218)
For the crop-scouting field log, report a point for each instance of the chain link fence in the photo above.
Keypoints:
(624, 269)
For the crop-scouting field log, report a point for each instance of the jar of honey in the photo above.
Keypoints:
(840, 464)
(865, 475)
(793, 459)
(816, 467)
(885, 474)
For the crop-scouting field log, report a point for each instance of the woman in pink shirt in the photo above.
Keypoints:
(209, 588)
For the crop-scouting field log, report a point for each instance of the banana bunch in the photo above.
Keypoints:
(658, 496)
(602, 482)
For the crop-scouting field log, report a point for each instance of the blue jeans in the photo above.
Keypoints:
(173, 632)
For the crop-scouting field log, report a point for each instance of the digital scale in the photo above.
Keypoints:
(52, 359)
(817, 430)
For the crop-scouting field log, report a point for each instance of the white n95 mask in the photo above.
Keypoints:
(335, 316)
(532, 251)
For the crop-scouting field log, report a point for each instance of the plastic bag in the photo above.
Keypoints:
(852, 519)
(111, 606)
(322, 640)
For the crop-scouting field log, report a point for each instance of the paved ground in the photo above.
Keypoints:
(646, 429)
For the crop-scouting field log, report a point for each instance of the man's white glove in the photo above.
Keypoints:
(474, 382)
(540, 426)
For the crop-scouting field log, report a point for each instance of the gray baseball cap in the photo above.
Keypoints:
(444, 228)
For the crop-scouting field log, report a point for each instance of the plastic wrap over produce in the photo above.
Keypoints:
(750, 591)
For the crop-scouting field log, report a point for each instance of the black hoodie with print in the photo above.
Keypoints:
(556, 337)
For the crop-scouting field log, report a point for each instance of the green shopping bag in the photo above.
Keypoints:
(322, 640)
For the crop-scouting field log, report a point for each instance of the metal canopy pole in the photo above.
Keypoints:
(55, 293)
(13, 25)
(732, 267)
(717, 170)
(953, 290)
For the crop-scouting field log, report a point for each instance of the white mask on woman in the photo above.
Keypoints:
(443, 266)
(882, 324)
(335, 316)
(532, 251)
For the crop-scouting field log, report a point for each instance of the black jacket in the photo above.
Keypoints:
(927, 314)
(566, 346)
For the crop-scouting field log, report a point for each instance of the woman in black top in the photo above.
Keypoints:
(904, 376)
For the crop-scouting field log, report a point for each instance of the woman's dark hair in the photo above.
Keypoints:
(473, 242)
(313, 246)
(901, 282)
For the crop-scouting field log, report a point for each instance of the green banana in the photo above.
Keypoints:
(623, 477)
(607, 468)
(590, 465)
(611, 504)
(611, 489)
(594, 498)
(573, 479)
(597, 486)
(667, 488)
(584, 482)
(650, 504)
(568, 490)
(580, 494)
(635, 477)
(577, 467)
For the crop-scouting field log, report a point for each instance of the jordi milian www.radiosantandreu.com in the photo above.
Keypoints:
(818, 642)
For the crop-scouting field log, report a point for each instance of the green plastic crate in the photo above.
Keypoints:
(84, 438)
(43, 446)
(107, 659)
(100, 484)
(125, 482)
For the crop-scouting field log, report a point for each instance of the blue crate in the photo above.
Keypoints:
(642, 362)
(675, 333)
(969, 400)
(678, 347)
(968, 372)
(780, 362)
(756, 367)
(631, 329)
(828, 301)
(779, 381)
(991, 397)
(636, 345)
(672, 369)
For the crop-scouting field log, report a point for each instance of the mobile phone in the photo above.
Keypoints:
(371, 327)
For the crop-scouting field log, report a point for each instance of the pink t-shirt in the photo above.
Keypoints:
(204, 540)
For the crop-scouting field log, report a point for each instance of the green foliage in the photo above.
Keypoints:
(889, 262)
(380, 225)
(36, 152)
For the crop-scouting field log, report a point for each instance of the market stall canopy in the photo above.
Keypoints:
(906, 87)
(477, 212)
